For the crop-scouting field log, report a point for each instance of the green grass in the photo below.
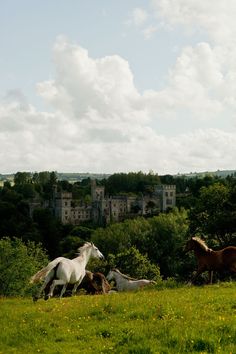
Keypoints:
(183, 320)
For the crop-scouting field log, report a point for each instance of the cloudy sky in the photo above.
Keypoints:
(117, 86)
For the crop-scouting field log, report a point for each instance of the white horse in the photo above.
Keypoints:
(64, 271)
(123, 282)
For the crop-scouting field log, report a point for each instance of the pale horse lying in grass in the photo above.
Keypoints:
(125, 283)
(64, 271)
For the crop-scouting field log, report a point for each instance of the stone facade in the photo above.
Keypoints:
(105, 209)
(167, 196)
(65, 210)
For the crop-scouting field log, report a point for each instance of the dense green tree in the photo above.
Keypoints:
(41, 177)
(26, 190)
(50, 231)
(135, 264)
(77, 236)
(8, 219)
(161, 238)
(22, 178)
(167, 240)
(18, 262)
(112, 239)
(214, 215)
(130, 182)
(10, 196)
(65, 186)
(83, 232)
(69, 245)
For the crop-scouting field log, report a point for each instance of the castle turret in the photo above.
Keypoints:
(167, 195)
(97, 192)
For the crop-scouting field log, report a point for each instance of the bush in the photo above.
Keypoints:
(133, 263)
(18, 262)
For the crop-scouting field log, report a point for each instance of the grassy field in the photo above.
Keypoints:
(183, 320)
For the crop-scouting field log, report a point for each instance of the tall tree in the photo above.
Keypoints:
(22, 178)
(215, 214)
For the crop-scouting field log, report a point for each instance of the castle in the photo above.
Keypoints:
(105, 209)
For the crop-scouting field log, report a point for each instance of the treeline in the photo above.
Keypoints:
(141, 247)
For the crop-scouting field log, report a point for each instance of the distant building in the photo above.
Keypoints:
(65, 210)
(167, 196)
(105, 209)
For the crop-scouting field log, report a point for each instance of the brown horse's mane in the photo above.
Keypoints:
(201, 243)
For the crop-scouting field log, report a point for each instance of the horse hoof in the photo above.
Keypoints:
(46, 297)
(35, 298)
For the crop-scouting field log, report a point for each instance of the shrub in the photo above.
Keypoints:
(133, 263)
(18, 262)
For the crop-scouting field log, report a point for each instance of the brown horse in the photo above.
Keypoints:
(209, 260)
(95, 283)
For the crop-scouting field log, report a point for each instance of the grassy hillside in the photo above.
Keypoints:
(184, 320)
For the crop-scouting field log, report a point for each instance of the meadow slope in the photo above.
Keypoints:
(182, 320)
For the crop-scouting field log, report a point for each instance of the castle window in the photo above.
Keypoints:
(168, 201)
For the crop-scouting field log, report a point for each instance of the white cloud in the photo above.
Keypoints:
(142, 21)
(216, 17)
(139, 16)
(98, 94)
(101, 123)
(149, 31)
(202, 81)
(195, 85)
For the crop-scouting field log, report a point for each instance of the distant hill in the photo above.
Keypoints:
(77, 177)
(71, 177)
(219, 173)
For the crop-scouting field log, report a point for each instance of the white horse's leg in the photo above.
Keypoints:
(63, 290)
(36, 297)
(46, 281)
(55, 283)
(76, 287)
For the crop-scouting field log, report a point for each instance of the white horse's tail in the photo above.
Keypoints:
(42, 273)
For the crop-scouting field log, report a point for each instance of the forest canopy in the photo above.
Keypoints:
(205, 206)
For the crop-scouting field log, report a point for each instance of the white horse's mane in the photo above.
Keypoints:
(123, 275)
(84, 247)
(201, 243)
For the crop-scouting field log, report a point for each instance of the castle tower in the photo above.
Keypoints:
(167, 195)
(97, 192)
(62, 206)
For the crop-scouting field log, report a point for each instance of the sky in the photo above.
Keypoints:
(107, 86)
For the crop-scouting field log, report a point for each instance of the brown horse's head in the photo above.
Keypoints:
(195, 243)
(189, 246)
